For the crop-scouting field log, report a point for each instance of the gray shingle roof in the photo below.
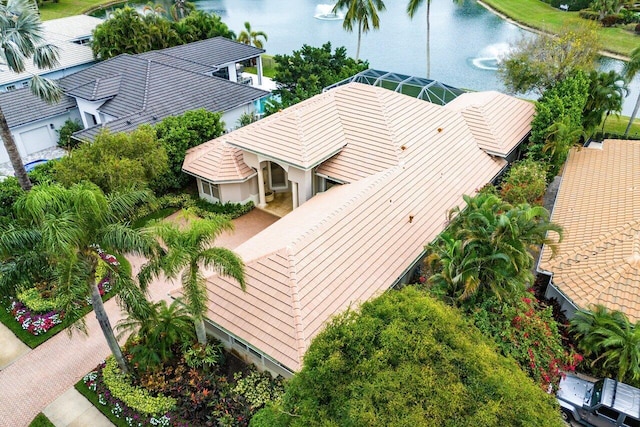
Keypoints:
(21, 107)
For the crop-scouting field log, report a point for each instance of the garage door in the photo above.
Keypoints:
(37, 139)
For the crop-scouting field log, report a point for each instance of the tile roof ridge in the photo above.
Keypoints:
(600, 244)
(374, 181)
(384, 107)
(298, 326)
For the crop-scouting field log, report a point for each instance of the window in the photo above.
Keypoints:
(10, 88)
(239, 344)
(607, 413)
(25, 84)
(631, 422)
(255, 352)
(91, 119)
(210, 189)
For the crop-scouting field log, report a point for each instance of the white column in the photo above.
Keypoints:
(294, 194)
(259, 70)
(233, 73)
(261, 198)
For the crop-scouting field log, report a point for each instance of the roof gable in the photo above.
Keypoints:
(228, 163)
(495, 131)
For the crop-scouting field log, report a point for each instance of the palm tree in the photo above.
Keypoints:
(188, 251)
(73, 226)
(412, 8)
(606, 94)
(611, 338)
(631, 68)
(361, 12)
(487, 247)
(21, 38)
(248, 36)
(157, 336)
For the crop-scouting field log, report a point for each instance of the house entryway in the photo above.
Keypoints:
(281, 205)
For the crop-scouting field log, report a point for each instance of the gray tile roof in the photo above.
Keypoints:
(21, 107)
(212, 52)
(100, 88)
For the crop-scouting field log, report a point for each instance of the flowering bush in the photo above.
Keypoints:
(527, 332)
(34, 323)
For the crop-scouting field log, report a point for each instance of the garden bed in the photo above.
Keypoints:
(228, 394)
(35, 327)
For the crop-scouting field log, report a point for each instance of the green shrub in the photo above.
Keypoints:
(208, 356)
(64, 134)
(259, 388)
(589, 14)
(136, 398)
(9, 192)
(35, 301)
(204, 209)
(526, 182)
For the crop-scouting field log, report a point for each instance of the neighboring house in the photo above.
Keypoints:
(598, 205)
(126, 91)
(72, 36)
(403, 164)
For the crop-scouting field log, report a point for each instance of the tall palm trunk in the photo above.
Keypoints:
(105, 325)
(14, 154)
(428, 39)
(633, 116)
(359, 38)
(201, 333)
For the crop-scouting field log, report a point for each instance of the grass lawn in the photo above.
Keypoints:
(618, 125)
(541, 16)
(41, 421)
(159, 214)
(64, 8)
(268, 67)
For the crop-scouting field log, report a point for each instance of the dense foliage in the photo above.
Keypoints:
(487, 250)
(610, 341)
(179, 133)
(525, 182)
(307, 71)
(115, 160)
(64, 134)
(10, 191)
(129, 31)
(526, 331)
(408, 360)
(538, 63)
(557, 125)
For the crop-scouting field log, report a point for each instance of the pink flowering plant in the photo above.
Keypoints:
(526, 331)
(34, 323)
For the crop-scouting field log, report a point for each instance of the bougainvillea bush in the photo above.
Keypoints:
(526, 331)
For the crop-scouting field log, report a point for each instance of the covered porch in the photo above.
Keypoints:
(280, 205)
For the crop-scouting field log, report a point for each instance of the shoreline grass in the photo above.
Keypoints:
(541, 16)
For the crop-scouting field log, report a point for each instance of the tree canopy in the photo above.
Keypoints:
(307, 71)
(538, 63)
(115, 160)
(406, 359)
(129, 31)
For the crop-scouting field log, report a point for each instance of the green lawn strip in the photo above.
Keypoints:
(541, 16)
(268, 67)
(159, 214)
(41, 420)
(35, 340)
(93, 398)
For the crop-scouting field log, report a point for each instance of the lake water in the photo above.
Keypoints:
(466, 39)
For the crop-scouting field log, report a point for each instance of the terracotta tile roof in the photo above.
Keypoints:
(352, 242)
(217, 162)
(598, 204)
(494, 130)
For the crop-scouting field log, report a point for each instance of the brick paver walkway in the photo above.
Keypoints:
(36, 379)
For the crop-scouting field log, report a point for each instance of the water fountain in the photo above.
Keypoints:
(325, 13)
(489, 57)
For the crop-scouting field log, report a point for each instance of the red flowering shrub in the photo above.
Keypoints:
(527, 332)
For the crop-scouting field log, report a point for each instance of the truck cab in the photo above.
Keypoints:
(603, 403)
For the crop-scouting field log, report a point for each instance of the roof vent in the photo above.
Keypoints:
(403, 147)
(439, 129)
(128, 122)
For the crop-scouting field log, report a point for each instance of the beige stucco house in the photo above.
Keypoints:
(373, 174)
(598, 205)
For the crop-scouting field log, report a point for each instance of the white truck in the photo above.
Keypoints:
(603, 403)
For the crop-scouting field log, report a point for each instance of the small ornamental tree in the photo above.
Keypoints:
(179, 133)
(406, 359)
(526, 182)
(66, 131)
